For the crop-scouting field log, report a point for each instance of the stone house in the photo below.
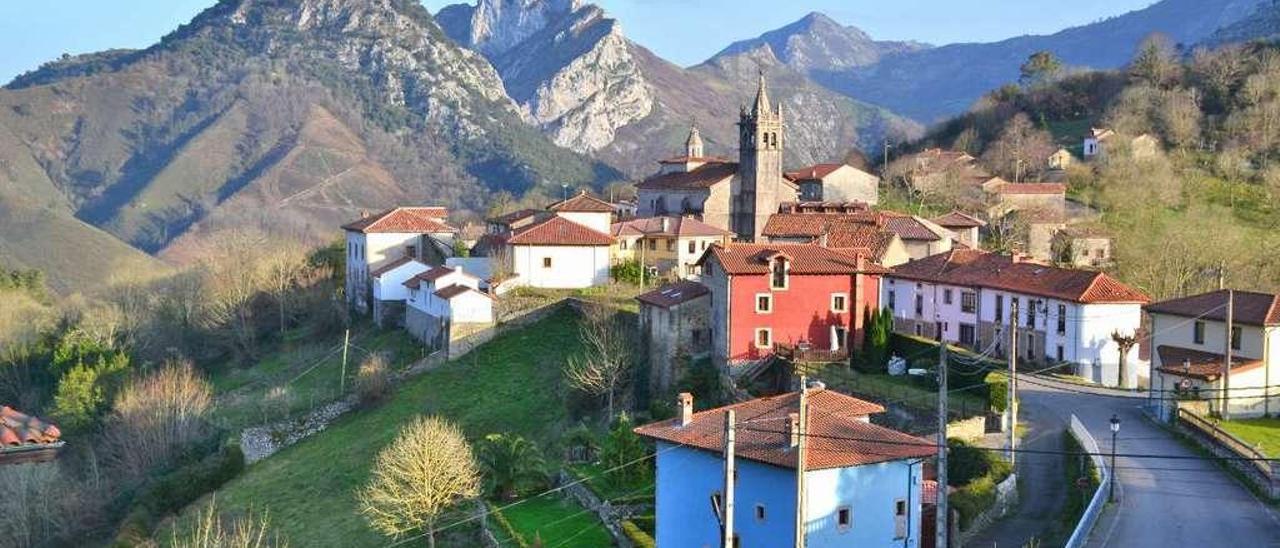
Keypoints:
(835, 183)
(1005, 197)
(938, 170)
(891, 238)
(675, 321)
(671, 245)
(966, 227)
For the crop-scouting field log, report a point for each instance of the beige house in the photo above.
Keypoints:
(1061, 159)
(670, 244)
(964, 226)
(1005, 197)
(935, 169)
(675, 321)
(1190, 341)
(1096, 143)
(835, 183)
(1082, 246)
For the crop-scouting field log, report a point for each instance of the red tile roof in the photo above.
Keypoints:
(559, 231)
(455, 290)
(673, 294)
(584, 203)
(813, 172)
(805, 259)
(676, 226)
(975, 268)
(378, 272)
(828, 207)
(704, 176)
(20, 432)
(838, 434)
(908, 227)
(432, 275)
(958, 219)
(1249, 308)
(1196, 364)
(420, 220)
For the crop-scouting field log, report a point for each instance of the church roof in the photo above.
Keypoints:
(701, 177)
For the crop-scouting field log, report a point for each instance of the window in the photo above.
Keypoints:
(919, 305)
(778, 280)
(839, 302)
(764, 337)
(967, 334)
(946, 296)
(968, 302)
(919, 330)
(899, 518)
(838, 337)
(1061, 354)
(1235, 338)
(671, 245)
(1031, 313)
(696, 336)
(653, 245)
(693, 246)
(999, 308)
(1062, 320)
(893, 300)
(764, 303)
(546, 262)
(759, 512)
(844, 519)
(1031, 346)
(1198, 332)
(704, 245)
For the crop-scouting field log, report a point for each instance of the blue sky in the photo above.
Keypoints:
(683, 31)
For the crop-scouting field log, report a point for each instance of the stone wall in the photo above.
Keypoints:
(1006, 500)
(970, 429)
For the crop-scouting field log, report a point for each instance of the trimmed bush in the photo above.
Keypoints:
(510, 531)
(997, 391)
(637, 535)
(975, 472)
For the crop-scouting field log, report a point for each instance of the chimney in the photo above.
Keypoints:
(364, 214)
(665, 224)
(817, 385)
(822, 240)
(685, 401)
(793, 430)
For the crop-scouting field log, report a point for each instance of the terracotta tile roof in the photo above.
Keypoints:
(1196, 364)
(19, 431)
(432, 275)
(909, 227)
(378, 272)
(584, 203)
(813, 172)
(676, 226)
(704, 176)
(456, 290)
(805, 259)
(828, 207)
(514, 216)
(1249, 308)
(559, 231)
(975, 268)
(688, 159)
(673, 294)
(1100, 133)
(838, 434)
(421, 220)
(958, 219)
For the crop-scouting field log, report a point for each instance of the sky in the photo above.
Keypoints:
(683, 31)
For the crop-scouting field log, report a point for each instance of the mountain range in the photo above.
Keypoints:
(291, 116)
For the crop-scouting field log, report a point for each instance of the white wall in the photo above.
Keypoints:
(571, 266)
(471, 307)
(390, 286)
(596, 221)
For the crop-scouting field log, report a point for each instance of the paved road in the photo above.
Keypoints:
(1162, 503)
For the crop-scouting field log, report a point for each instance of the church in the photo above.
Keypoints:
(736, 196)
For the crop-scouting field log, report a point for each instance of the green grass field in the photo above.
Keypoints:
(1263, 433)
(557, 522)
(884, 387)
(511, 384)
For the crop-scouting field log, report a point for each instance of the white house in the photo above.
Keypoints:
(560, 253)
(389, 291)
(964, 226)
(835, 183)
(441, 297)
(585, 210)
(1092, 145)
(1189, 338)
(966, 296)
(376, 240)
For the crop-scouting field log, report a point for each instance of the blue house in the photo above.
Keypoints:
(862, 481)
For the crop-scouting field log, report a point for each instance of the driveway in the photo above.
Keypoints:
(1163, 503)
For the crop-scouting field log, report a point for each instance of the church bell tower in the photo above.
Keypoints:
(759, 165)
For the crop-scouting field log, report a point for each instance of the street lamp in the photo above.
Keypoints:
(1115, 429)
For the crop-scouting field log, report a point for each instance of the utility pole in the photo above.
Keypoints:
(943, 512)
(342, 380)
(726, 536)
(801, 452)
(884, 167)
(1012, 395)
(1226, 363)
(642, 267)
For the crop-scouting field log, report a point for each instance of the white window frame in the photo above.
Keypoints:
(900, 525)
(755, 337)
(768, 296)
(786, 273)
(844, 296)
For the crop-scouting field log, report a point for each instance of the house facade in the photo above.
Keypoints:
(967, 297)
(441, 297)
(965, 227)
(559, 253)
(891, 238)
(1005, 197)
(863, 483)
(1189, 341)
(735, 196)
(675, 323)
(771, 297)
(389, 291)
(376, 240)
(835, 183)
(670, 244)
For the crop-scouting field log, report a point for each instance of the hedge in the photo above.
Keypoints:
(637, 536)
(980, 494)
(997, 391)
(506, 526)
(172, 492)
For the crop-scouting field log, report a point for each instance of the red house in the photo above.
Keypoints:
(770, 297)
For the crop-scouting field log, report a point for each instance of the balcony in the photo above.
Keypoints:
(805, 353)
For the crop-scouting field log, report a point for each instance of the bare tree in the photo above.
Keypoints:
(285, 267)
(213, 531)
(428, 469)
(236, 279)
(155, 418)
(1126, 343)
(605, 366)
(1020, 150)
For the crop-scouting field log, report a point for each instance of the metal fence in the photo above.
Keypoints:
(1090, 516)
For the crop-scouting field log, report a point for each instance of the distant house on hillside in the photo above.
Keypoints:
(27, 439)
(888, 237)
(1005, 197)
(1060, 159)
(672, 245)
(964, 226)
(675, 321)
(863, 482)
(1189, 341)
(835, 183)
(1098, 139)
(373, 241)
(442, 298)
(935, 169)
(1092, 145)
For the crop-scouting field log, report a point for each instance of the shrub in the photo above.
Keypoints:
(373, 379)
(156, 419)
(965, 462)
(637, 536)
(512, 465)
(172, 492)
(627, 271)
(997, 391)
(976, 472)
(622, 449)
(242, 532)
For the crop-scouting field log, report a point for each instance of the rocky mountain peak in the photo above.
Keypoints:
(494, 27)
(818, 42)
